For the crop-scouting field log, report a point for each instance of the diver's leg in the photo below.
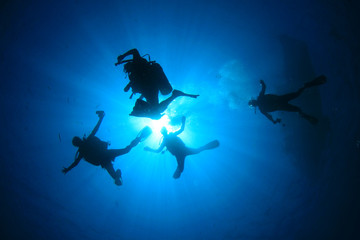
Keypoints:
(164, 104)
(115, 175)
(176, 93)
(151, 96)
(208, 146)
(290, 96)
(289, 108)
(311, 119)
(113, 153)
(180, 167)
(180, 93)
(316, 82)
(292, 108)
(140, 108)
(192, 151)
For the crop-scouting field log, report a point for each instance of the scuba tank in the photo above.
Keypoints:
(159, 76)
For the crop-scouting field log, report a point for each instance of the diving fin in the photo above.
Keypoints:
(118, 180)
(212, 145)
(144, 133)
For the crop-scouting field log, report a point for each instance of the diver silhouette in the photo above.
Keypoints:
(95, 151)
(177, 147)
(148, 79)
(270, 102)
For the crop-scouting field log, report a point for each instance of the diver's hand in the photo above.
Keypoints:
(65, 170)
(101, 114)
(119, 58)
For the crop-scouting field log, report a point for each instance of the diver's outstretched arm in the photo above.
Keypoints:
(101, 115)
(149, 149)
(133, 52)
(183, 119)
(263, 88)
(278, 120)
(76, 162)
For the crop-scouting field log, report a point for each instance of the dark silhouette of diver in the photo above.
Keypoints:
(148, 79)
(177, 147)
(95, 151)
(270, 102)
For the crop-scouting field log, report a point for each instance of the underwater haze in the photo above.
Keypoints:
(292, 180)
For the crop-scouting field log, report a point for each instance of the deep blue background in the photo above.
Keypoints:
(265, 181)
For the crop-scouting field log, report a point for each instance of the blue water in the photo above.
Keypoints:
(265, 181)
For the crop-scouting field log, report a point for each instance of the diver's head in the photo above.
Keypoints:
(164, 131)
(76, 141)
(252, 103)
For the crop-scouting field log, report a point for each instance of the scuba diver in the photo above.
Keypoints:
(270, 102)
(177, 147)
(95, 151)
(148, 79)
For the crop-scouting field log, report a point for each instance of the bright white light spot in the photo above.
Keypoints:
(156, 126)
